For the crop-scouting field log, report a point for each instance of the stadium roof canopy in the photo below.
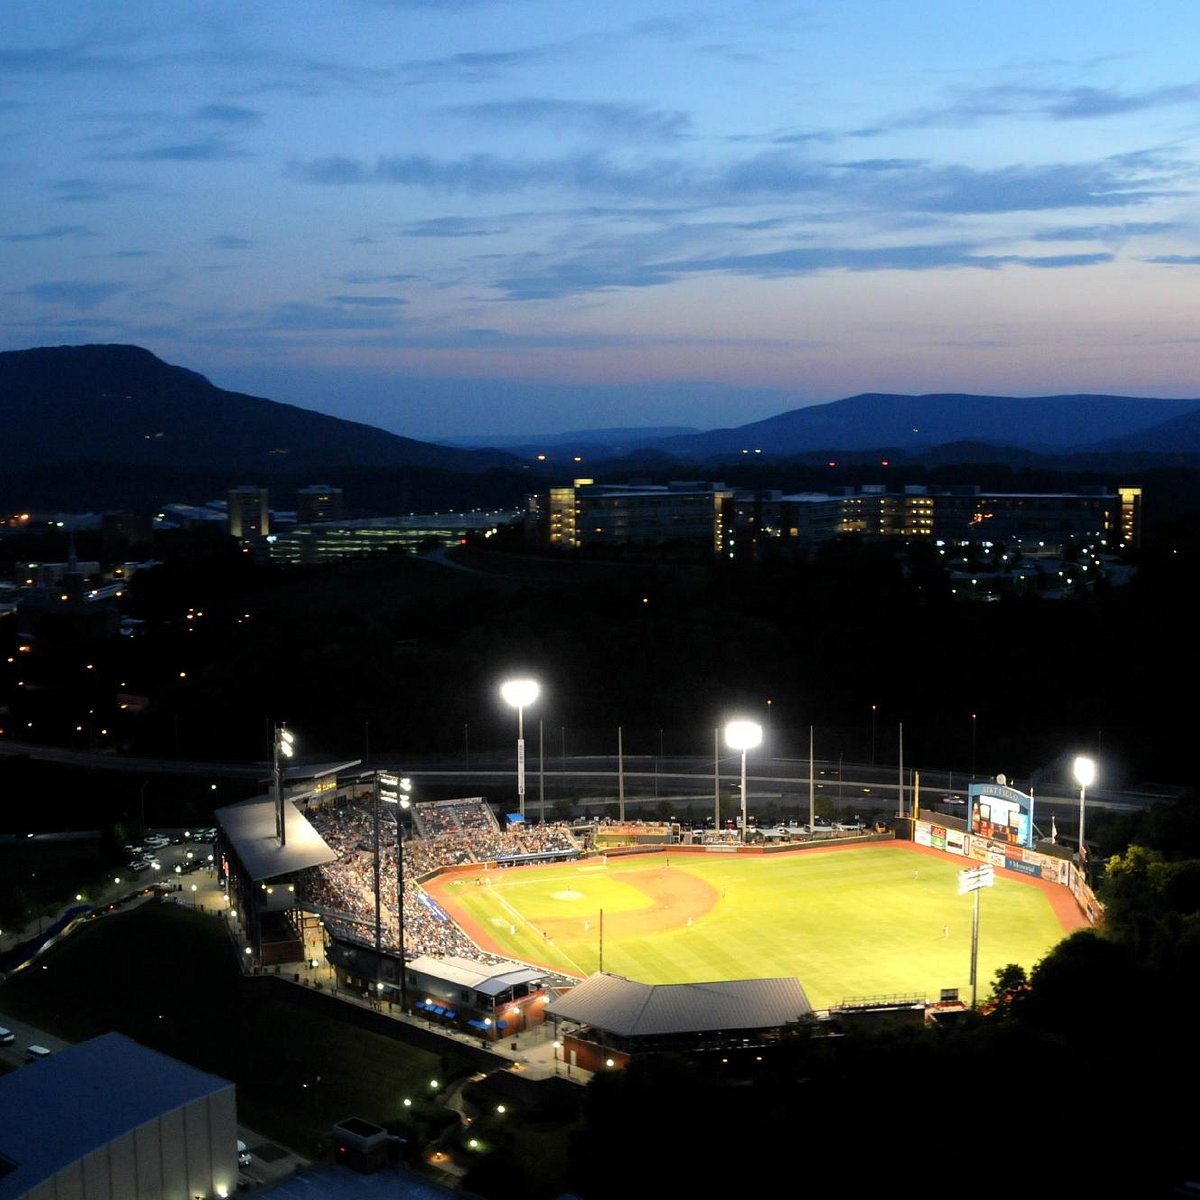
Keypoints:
(629, 1009)
(82, 1098)
(249, 827)
(489, 979)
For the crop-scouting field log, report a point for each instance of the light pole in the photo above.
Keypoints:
(518, 693)
(743, 736)
(974, 720)
(1085, 771)
(284, 746)
(393, 789)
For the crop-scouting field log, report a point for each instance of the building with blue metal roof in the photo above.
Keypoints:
(111, 1119)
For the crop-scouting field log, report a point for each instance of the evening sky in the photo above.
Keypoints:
(453, 217)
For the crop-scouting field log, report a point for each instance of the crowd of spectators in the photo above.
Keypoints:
(343, 891)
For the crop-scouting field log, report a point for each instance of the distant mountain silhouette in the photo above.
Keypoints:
(1042, 424)
(935, 428)
(119, 404)
(1176, 435)
(97, 426)
(614, 441)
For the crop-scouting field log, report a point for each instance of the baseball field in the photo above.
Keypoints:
(847, 922)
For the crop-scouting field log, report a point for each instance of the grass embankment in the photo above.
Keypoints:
(166, 976)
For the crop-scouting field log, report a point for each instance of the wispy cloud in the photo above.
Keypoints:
(359, 278)
(74, 293)
(74, 58)
(302, 316)
(50, 233)
(369, 301)
(450, 227)
(629, 121)
(557, 278)
(229, 114)
(1104, 233)
(82, 190)
(883, 184)
(204, 151)
(1007, 101)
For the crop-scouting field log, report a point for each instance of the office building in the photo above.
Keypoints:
(249, 512)
(318, 502)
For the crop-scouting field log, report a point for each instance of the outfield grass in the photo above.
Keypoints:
(875, 920)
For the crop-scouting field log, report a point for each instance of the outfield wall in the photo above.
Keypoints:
(1021, 859)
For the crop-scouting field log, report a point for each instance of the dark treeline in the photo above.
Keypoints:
(404, 656)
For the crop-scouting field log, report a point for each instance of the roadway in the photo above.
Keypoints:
(595, 783)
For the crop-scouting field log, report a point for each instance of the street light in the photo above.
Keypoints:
(743, 736)
(518, 693)
(1085, 771)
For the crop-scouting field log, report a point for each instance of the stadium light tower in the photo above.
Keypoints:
(743, 736)
(283, 746)
(397, 790)
(1085, 772)
(519, 693)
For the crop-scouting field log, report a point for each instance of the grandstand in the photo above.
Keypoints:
(445, 833)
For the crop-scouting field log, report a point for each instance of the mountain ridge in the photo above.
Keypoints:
(109, 423)
(121, 403)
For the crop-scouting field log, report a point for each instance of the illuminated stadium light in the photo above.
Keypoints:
(1084, 769)
(519, 693)
(743, 736)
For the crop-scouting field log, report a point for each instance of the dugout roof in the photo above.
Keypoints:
(249, 828)
(490, 979)
(630, 1009)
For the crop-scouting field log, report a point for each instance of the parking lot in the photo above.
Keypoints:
(175, 853)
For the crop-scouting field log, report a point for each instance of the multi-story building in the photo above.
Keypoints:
(249, 512)
(747, 524)
(318, 502)
(589, 514)
(328, 541)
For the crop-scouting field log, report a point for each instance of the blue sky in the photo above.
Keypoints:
(473, 217)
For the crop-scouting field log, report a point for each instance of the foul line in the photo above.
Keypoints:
(529, 924)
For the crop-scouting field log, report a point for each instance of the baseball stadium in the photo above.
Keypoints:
(635, 934)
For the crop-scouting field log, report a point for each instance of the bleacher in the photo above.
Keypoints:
(446, 833)
(433, 818)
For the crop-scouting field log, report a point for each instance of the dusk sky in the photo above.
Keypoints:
(474, 217)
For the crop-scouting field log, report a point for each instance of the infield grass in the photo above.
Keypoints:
(876, 920)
